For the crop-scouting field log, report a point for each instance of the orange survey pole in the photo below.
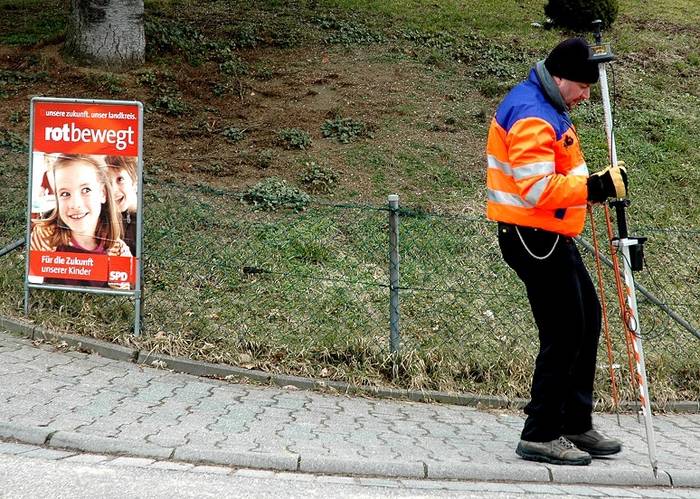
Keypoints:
(631, 249)
(604, 307)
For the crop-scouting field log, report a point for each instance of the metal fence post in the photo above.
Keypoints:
(395, 337)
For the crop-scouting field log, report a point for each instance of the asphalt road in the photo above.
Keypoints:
(29, 471)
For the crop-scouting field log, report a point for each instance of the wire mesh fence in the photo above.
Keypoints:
(308, 293)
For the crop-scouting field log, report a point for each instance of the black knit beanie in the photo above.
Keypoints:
(571, 60)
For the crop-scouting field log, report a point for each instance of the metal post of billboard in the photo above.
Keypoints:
(138, 293)
(29, 209)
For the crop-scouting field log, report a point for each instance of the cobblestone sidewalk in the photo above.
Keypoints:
(72, 400)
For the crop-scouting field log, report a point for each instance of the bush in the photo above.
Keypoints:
(318, 178)
(578, 14)
(11, 141)
(170, 103)
(343, 130)
(295, 138)
(234, 134)
(273, 193)
(265, 158)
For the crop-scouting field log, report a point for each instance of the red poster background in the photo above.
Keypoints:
(95, 128)
(83, 266)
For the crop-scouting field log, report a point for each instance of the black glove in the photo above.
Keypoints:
(608, 183)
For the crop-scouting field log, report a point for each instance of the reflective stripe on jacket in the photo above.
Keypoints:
(536, 170)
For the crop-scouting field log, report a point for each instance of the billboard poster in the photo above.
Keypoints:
(84, 199)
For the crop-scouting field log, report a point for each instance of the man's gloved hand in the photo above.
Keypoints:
(608, 183)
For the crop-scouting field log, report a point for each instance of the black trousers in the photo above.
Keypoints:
(567, 312)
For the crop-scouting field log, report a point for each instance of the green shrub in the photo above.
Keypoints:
(264, 158)
(318, 178)
(344, 130)
(347, 32)
(11, 141)
(245, 36)
(578, 14)
(233, 134)
(273, 193)
(295, 138)
(169, 36)
(109, 83)
(233, 66)
(18, 116)
(170, 103)
(147, 78)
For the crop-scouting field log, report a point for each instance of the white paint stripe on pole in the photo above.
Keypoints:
(633, 319)
(635, 328)
(612, 150)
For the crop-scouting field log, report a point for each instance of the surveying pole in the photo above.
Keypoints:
(631, 248)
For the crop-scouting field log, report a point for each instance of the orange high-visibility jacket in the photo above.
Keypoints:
(536, 170)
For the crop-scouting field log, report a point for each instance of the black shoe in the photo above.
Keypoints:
(559, 451)
(595, 443)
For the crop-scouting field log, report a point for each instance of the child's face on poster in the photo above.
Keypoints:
(124, 189)
(80, 197)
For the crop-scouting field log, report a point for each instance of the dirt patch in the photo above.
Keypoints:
(401, 100)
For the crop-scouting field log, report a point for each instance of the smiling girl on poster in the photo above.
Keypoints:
(86, 219)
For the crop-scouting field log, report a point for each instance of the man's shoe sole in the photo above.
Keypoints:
(541, 458)
(600, 452)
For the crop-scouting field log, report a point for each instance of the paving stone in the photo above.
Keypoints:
(581, 490)
(543, 489)
(134, 462)
(616, 492)
(155, 413)
(172, 465)
(658, 493)
(256, 473)
(84, 458)
(379, 482)
(215, 470)
(51, 454)
(342, 480)
(13, 448)
(297, 477)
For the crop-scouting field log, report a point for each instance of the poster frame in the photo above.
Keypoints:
(137, 292)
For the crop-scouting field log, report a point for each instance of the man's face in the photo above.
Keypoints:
(573, 92)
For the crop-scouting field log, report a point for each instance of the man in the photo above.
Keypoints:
(538, 190)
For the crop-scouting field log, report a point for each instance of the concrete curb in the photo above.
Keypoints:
(26, 434)
(368, 467)
(609, 476)
(684, 478)
(245, 459)
(501, 472)
(285, 462)
(197, 368)
(104, 445)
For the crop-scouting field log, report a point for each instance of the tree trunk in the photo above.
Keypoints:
(108, 32)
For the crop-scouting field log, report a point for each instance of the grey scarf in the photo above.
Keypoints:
(550, 88)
